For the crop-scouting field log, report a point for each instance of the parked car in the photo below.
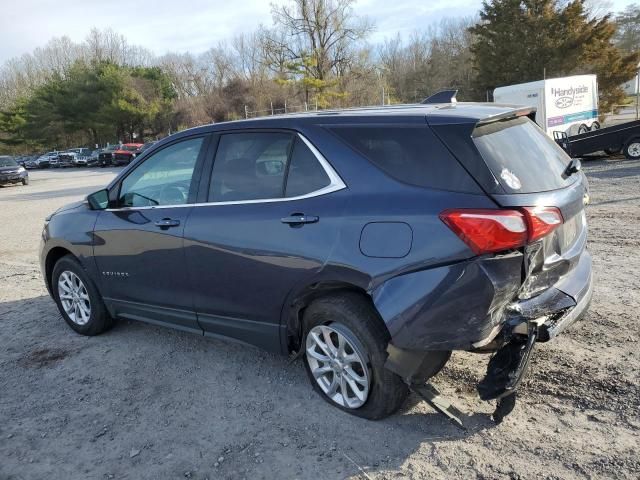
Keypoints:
(144, 148)
(74, 157)
(92, 158)
(369, 242)
(126, 153)
(11, 172)
(105, 157)
(31, 162)
(45, 160)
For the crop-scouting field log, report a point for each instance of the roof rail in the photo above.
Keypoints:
(443, 96)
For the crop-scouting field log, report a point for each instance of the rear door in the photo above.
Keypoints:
(138, 244)
(271, 217)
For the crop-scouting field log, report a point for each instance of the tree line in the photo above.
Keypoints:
(316, 54)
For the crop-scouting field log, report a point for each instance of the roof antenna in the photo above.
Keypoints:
(443, 96)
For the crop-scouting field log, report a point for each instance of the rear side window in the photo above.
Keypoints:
(410, 154)
(306, 175)
(250, 166)
(522, 157)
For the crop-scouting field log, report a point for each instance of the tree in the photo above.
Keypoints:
(524, 40)
(91, 103)
(627, 37)
(319, 43)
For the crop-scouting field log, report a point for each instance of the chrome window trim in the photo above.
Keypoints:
(335, 184)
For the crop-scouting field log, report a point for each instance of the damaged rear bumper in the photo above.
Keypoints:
(511, 329)
(558, 307)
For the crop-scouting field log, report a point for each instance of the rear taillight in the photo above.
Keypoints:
(542, 221)
(487, 231)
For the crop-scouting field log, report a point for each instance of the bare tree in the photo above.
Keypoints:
(321, 30)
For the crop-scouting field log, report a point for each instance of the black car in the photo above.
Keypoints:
(106, 156)
(11, 172)
(369, 242)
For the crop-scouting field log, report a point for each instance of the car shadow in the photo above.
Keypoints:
(173, 394)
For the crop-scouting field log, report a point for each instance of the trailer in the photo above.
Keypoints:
(567, 104)
(623, 137)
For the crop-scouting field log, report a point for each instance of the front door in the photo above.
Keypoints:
(138, 244)
(272, 218)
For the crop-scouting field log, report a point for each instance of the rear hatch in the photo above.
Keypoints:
(518, 165)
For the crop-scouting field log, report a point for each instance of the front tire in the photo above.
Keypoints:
(78, 299)
(345, 345)
(25, 181)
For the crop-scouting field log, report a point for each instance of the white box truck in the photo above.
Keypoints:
(567, 104)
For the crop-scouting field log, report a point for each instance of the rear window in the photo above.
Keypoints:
(522, 157)
(410, 154)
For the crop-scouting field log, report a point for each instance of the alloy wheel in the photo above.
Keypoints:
(338, 365)
(74, 297)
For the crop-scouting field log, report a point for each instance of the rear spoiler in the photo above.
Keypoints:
(516, 112)
(443, 96)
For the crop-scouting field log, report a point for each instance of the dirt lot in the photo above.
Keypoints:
(146, 402)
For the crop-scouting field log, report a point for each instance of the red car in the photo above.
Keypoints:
(126, 153)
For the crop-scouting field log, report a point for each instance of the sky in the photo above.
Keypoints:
(195, 25)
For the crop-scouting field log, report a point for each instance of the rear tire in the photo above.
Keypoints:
(632, 149)
(78, 299)
(595, 126)
(612, 151)
(365, 338)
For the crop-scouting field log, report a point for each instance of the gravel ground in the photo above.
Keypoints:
(145, 402)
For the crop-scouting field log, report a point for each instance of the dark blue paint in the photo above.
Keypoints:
(238, 271)
(386, 239)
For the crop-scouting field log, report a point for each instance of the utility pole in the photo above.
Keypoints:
(638, 93)
(246, 112)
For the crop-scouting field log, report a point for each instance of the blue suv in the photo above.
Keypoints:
(369, 242)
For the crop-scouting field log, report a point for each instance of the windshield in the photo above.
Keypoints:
(522, 157)
(7, 162)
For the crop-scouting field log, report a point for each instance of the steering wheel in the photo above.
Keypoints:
(173, 195)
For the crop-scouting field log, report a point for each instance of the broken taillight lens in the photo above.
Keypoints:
(488, 231)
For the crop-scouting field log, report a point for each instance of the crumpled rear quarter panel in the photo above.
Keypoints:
(449, 307)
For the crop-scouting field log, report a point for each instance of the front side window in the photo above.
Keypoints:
(250, 166)
(164, 178)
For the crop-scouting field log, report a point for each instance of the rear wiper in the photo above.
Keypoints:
(574, 166)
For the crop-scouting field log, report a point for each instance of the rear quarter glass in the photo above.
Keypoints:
(522, 157)
(410, 154)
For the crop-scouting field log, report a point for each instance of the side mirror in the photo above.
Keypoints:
(99, 200)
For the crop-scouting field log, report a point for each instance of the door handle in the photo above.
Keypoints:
(299, 219)
(167, 222)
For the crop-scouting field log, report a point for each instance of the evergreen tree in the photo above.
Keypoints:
(523, 40)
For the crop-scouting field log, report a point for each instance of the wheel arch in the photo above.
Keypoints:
(295, 308)
(53, 255)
